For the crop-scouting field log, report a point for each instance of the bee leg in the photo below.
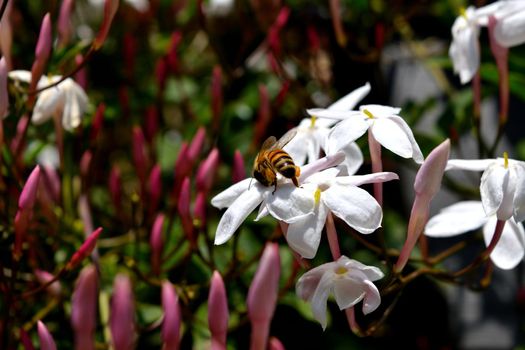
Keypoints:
(275, 188)
(295, 182)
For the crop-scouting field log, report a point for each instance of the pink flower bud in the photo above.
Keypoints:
(172, 59)
(262, 295)
(98, 121)
(239, 172)
(81, 75)
(184, 209)
(314, 43)
(216, 96)
(44, 277)
(171, 323)
(207, 170)
(501, 55)
(46, 340)
(154, 187)
(337, 23)
(110, 9)
(152, 123)
(156, 244)
(281, 96)
(139, 154)
(42, 52)
(84, 308)
(85, 249)
(22, 219)
(161, 73)
(49, 184)
(6, 35)
(115, 187)
(85, 164)
(218, 312)
(275, 344)
(426, 185)
(122, 317)
(64, 22)
(17, 144)
(196, 144)
(4, 98)
(27, 198)
(199, 210)
(25, 340)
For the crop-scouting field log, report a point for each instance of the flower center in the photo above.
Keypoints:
(312, 122)
(505, 160)
(341, 270)
(368, 113)
(317, 195)
(463, 12)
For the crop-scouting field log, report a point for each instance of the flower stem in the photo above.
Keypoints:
(331, 233)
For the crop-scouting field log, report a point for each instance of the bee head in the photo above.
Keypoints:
(265, 177)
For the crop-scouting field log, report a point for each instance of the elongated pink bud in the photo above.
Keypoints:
(6, 35)
(216, 97)
(115, 187)
(426, 185)
(239, 172)
(25, 340)
(42, 52)
(27, 198)
(152, 123)
(4, 99)
(80, 76)
(172, 59)
(85, 164)
(110, 9)
(85, 249)
(122, 317)
(49, 184)
(22, 219)
(154, 188)
(501, 55)
(84, 308)
(171, 323)
(199, 210)
(275, 344)
(196, 144)
(139, 154)
(218, 312)
(46, 340)
(183, 167)
(262, 295)
(98, 120)
(337, 22)
(156, 243)
(184, 209)
(44, 277)
(161, 73)
(64, 22)
(207, 170)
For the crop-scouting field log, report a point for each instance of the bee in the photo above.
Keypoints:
(271, 160)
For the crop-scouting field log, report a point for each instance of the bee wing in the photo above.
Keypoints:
(269, 143)
(286, 138)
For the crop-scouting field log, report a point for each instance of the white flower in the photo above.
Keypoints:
(339, 195)
(312, 133)
(389, 129)
(509, 31)
(469, 215)
(502, 185)
(67, 100)
(348, 280)
(289, 203)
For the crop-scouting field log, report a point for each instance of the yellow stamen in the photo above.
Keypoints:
(317, 196)
(505, 160)
(368, 114)
(463, 12)
(341, 270)
(312, 122)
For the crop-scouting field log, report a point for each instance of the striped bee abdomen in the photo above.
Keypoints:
(282, 162)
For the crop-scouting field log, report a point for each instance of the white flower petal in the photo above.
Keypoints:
(308, 282)
(351, 100)
(380, 111)
(456, 219)
(392, 136)
(371, 272)
(348, 291)
(519, 195)
(345, 132)
(353, 158)
(510, 30)
(469, 164)
(372, 298)
(229, 195)
(289, 203)
(320, 297)
(72, 114)
(493, 183)
(331, 114)
(464, 50)
(509, 250)
(295, 148)
(355, 206)
(357, 180)
(20, 75)
(304, 235)
(237, 213)
(46, 104)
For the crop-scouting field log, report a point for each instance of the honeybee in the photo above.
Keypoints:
(272, 159)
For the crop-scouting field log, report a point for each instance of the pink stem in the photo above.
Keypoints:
(331, 233)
